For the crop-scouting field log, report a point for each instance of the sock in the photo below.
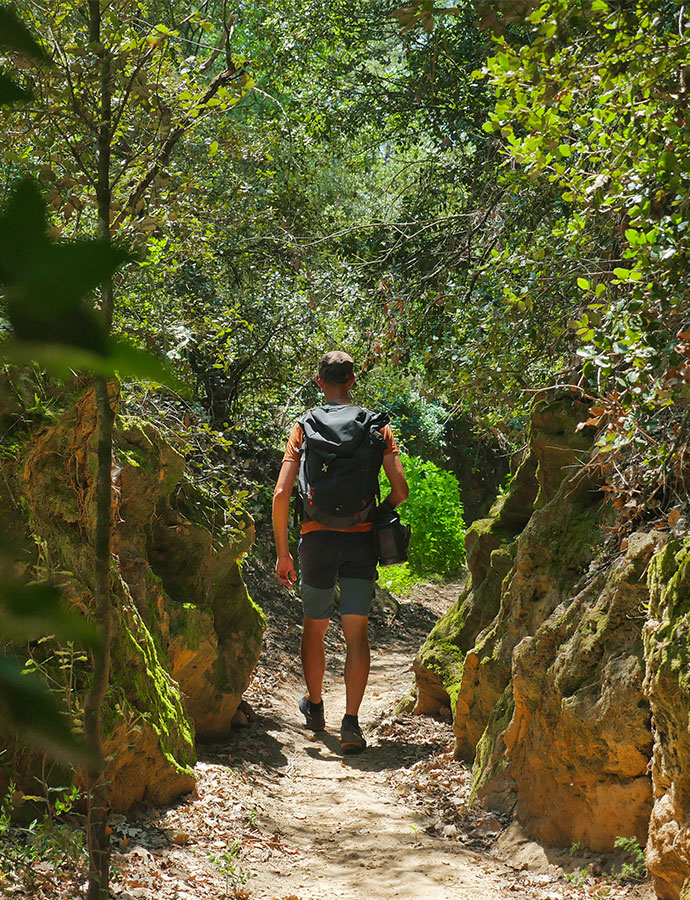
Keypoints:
(350, 720)
(315, 706)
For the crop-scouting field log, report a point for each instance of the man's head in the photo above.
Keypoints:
(336, 368)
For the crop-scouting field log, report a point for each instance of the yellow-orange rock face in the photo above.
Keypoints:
(579, 741)
(667, 683)
(186, 636)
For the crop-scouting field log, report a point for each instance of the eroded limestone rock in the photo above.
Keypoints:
(578, 745)
(188, 582)
(186, 635)
(667, 683)
(490, 548)
(448, 662)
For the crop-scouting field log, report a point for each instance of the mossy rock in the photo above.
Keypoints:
(550, 555)
(148, 737)
(558, 441)
(439, 663)
(177, 587)
(667, 685)
(579, 744)
(490, 546)
(491, 781)
(508, 516)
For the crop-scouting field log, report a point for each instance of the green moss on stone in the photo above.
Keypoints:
(441, 651)
(143, 683)
(490, 761)
(190, 622)
(133, 456)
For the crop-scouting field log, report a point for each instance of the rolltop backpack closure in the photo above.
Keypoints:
(342, 452)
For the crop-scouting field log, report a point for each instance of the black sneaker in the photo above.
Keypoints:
(351, 737)
(313, 713)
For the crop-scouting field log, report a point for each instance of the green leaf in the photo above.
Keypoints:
(213, 149)
(28, 706)
(622, 274)
(583, 284)
(14, 35)
(668, 161)
(59, 360)
(46, 282)
(565, 149)
(29, 611)
(120, 359)
(131, 362)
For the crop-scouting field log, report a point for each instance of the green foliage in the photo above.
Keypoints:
(46, 285)
(635, 869)
(50, 839)
(32, 611)
(29, 611)
(398, 579)
(32, 270)
(434, 512)
(591, 105)
(577, 878)
(15, 36)
(226, 863)
(418, 421)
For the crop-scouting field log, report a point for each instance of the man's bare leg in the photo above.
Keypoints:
(356, 631)
(314, 656)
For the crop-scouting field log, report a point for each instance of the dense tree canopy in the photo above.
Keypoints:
(476, 201)
(479, 202)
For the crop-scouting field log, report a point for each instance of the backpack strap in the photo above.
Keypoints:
(298, 509)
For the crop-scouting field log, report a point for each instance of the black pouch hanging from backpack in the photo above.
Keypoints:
(392, 537)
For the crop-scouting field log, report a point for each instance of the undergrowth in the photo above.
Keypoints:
(47, 854)
(435, 515)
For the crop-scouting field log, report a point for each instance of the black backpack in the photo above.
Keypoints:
(342, 452)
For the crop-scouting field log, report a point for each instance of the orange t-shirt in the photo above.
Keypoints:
(293, 453)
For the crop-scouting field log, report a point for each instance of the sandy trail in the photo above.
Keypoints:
(281, 814)
(355, 836)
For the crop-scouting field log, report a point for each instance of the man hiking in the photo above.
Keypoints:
(337, 450)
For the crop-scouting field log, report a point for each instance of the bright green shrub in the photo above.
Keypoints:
(434, 511)
(398, 579)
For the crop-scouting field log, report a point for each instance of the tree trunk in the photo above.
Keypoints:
(98, 800)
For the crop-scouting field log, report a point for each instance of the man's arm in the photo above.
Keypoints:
(285, 564)
(396, 475)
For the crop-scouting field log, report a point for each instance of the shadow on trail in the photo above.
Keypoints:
(406, 630)
(377, 757)
(254, 744)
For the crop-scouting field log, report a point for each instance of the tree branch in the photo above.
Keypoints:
(186, 122)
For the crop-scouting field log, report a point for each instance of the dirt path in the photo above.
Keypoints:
(282, 815)
(353, 834)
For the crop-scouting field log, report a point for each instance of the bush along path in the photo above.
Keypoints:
(281, 814)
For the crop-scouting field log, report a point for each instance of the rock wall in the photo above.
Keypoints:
(667, 684)
(578, 743)
(567, 669)
(186, 634)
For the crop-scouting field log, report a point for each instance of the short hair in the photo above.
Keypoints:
(336, 367)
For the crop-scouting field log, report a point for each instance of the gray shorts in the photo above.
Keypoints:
(347, 558)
